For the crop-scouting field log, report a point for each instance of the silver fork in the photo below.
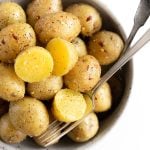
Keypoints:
(58, 129)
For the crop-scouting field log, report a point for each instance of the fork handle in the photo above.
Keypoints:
(122, 61)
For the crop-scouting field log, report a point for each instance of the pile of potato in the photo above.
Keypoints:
(43, 56)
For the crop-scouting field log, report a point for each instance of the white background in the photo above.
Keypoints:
(132, 131)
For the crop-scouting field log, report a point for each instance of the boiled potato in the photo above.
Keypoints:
(8, 133)
(38, 8)
(64, 55)
(106, 46)
(84, 76)
(89, 104)
(80, 46)
(89, 17)
(14, 39)
(12, 88)
(68, 106)
(34, 64)
(46, 89)
(61, 24)
(11, 13)
(4, 106)
(103, 98)
(86, 130)
(29, 115)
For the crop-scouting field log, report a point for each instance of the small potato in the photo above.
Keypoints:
(46, 89)
(80, 46)
(89, 104)
(29, 115)
(89, 17)
(61, 24)
(12, 88)
(34, 64)
(106, 46)
(14, 39)
(11, 13)
(38, 8)
(84, 76)
(64, 55)
(103, 98)
(4, 106)
(86, 130)
(68, 106)
(8, 133)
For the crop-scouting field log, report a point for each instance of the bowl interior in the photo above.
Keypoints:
(124, 76)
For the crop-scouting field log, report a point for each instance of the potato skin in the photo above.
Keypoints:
(29, 115)
(80, 46)
(84, 76)
(12, 88)
(14, 39)
(89, 17)
(8, 133)
(86, 130)
(106, 46)
(11, 13)
(46, 89)
(4, 106)
(38, 8)
(103, 98)
(61, 24)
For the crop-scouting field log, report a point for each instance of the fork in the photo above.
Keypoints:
(58, 129)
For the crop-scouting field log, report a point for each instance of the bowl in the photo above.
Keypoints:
(124, 76)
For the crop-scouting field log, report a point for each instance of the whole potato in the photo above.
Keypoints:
(46, 89)
(12, 88)
(11, 13)
(4, 106)
(84, 76)
(89, 17)
(38, 8)
(61, 24)
(106, 46)
(29, 115)
(15, 38)
(86, 130)
(80, 46)
(103, 98)
(8, 133)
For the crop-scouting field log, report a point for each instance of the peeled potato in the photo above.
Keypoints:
(8, 133)
(68, 105)
(64, 55)
(29, 115)
(34, 64)
(103, 98)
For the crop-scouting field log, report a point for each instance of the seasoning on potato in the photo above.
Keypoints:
(14, 39)
(80, 46)
(68, 105)
(8, 133)
(106, 46)
(34, 64)
(86, 130)
(46, 89)
(64, 55)
(38, 8)
(61, 24)
(11, 13)
(103, 98)
(89, 17)
(85, 74)
(29, 115)
(12, 88)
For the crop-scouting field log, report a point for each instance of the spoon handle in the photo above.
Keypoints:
(141, 15)
(122, 61)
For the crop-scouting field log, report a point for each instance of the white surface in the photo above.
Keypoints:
(132, 131)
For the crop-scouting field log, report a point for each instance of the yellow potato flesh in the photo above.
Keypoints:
(34, 64)
(68, 105)
(64, 55)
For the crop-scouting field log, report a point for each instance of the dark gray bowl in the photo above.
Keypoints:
(124, 80)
